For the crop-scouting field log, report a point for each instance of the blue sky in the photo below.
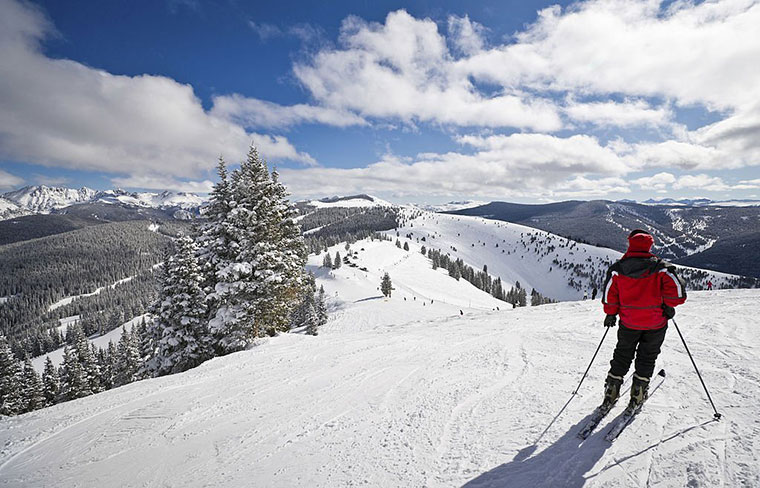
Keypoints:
(411, 101)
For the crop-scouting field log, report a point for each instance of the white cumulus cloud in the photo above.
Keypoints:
(58, 112)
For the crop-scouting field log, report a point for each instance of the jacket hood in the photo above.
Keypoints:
(640, 242)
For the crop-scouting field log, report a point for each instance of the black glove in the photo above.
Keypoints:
(610, 320)
(668, 312)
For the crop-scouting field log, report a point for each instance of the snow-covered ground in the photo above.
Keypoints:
(482, 399)
(515, 252)
(421, 293)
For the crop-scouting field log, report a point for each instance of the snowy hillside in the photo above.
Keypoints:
(163, 200)
(481, 400)
(554, 266)
(9, 209)
(43, 199)
(351, 201)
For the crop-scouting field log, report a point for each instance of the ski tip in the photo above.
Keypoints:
(661, 373)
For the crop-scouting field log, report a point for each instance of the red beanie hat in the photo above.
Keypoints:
(640, 241)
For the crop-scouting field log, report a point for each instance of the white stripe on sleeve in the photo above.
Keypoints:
(609, 284)
(675, 280)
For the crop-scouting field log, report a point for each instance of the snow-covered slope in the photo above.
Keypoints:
(481, 400)
(43, 199)
(421, 292)
(163, 200)
(555, 267)
(9, 210)
(451, 206)
(352, 201)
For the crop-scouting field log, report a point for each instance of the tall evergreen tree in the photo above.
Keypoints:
(386, 286)
(74, 382)
(32, 392)
(11, 401)
(51, 382)
(337, 262)
(320, 312)
(88, 360)
(181, 313)
(127, 364)
(327, 262)
(105, 363)
(262, 279)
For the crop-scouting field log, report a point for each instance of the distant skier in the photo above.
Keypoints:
(644, 290)
(593, 293)
(585, 295)
(709, 285)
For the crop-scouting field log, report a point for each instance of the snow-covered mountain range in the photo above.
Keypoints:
(685, 233)
(702, 202)
(45, 199)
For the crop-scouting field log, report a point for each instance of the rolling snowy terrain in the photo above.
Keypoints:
(432, 387)
(482, 399)
(515, 253)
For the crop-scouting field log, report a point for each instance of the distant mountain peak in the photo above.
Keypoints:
(45, 199)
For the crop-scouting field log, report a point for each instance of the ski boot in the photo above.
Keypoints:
(639, 392)
(611, 390)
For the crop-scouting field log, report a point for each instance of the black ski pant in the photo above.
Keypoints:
(643, 344)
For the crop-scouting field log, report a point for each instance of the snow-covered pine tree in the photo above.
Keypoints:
(181, 313)
(215, 253)
(386, 286)
(127, 362)
(105, 362)
(261, 282)
(51, 383)
(321, 308)
(88, 361)
(147, 345)
(11, 401)
(327, 262)
(300, 314)
(337, 261)
(311, 317)
(406, 246)
(32, 393)
(74, 382)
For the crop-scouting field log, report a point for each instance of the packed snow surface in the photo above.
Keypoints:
(397, 393)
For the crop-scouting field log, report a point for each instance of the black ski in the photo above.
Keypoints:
(599, 413)
(629, 414)
(625, 419)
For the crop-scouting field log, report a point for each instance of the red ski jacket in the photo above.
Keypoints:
(639, 284)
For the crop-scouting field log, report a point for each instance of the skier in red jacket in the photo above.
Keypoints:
(643, 290)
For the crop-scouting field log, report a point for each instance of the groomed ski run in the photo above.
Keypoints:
(394, 393)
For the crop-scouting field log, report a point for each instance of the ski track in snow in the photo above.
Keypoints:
(441, 400)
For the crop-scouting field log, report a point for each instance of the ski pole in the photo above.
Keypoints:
(717, 415)
(606, 329)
